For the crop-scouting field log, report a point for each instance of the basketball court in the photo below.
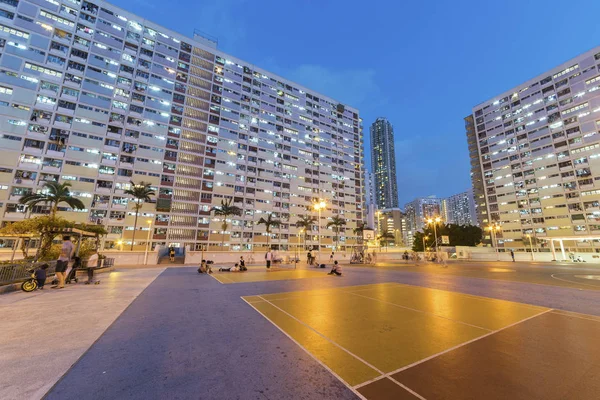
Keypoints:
(395, 341)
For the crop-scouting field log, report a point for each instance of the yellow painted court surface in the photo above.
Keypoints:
(363, 332)
(276, 275)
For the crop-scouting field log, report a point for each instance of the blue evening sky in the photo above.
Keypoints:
(421, 64)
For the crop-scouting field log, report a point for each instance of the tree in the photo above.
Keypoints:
(225, 210)
(53, 194)
(141, 193)
(459, 235)
(305, 222)
(268, 223)
(336, 222)
(383, 238)
(46, 227)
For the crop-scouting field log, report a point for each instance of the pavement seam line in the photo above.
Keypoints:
(306, 350)
(63, 376)
(466, 343)
(565, 313)
(325, 337)
(406, 388)
(421, 311)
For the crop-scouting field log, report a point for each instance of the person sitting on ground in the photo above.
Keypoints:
(243, 264)
(204, 268)
(40, 276)
(336, 270)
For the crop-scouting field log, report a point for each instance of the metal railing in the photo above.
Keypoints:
(12, 273)
(18, 272)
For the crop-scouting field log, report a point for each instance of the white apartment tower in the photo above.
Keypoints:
(535, 156)
(97, 96)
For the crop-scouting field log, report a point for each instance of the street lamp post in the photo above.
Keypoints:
(493, 229)
(147, 242)
(531, 247)
(319, 206)
(434, 222)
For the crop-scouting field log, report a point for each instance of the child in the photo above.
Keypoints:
(336, 270)
(171, 253)
(92, 264)
(231, 269)
(243, 264)
(204, 268)
(40, 276)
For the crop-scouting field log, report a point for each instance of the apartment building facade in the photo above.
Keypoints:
(417, 211)
(97, 96)
(460, 209)
(383, 163)
(536, 156)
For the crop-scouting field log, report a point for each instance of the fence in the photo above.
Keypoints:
(13, 273)
(19, 272)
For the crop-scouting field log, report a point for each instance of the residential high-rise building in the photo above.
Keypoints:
(393, 222)
(535, 154)
(97, 96)
(370, 188)
(383, 163)
(459, 209)
(417, 211)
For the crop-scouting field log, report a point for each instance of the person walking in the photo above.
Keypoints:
(512, 254)
(331, 256)
(269, 258)
(309, 258)
(66, 251)
(92, 264)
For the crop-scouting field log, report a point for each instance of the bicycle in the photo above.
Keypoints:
(31, 283)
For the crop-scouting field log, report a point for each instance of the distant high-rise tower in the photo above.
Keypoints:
(383, 163)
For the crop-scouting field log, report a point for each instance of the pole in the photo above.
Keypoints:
(531, 246)
(319, 242)
(495, 244)
(147, 244)
(437, 254)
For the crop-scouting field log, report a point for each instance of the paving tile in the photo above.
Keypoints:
(385, 389)
(552, 356)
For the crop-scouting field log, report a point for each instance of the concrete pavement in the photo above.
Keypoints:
(45, 332)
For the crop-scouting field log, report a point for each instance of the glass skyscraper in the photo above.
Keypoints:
(383, 162)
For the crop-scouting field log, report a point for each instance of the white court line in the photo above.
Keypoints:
(576, 315)
(388, 375)
(576, 283)
(420, 311)
(483, 297)
(356, 392)
(383, 374)
(219, 280)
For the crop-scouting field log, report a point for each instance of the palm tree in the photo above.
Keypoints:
(225, 210)
(141, 193)
(385, 235)
(53, 194)
(268, 223)
(337, 222)
(306, 222)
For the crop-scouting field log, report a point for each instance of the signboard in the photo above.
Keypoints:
(445, 240)
(368, 234)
